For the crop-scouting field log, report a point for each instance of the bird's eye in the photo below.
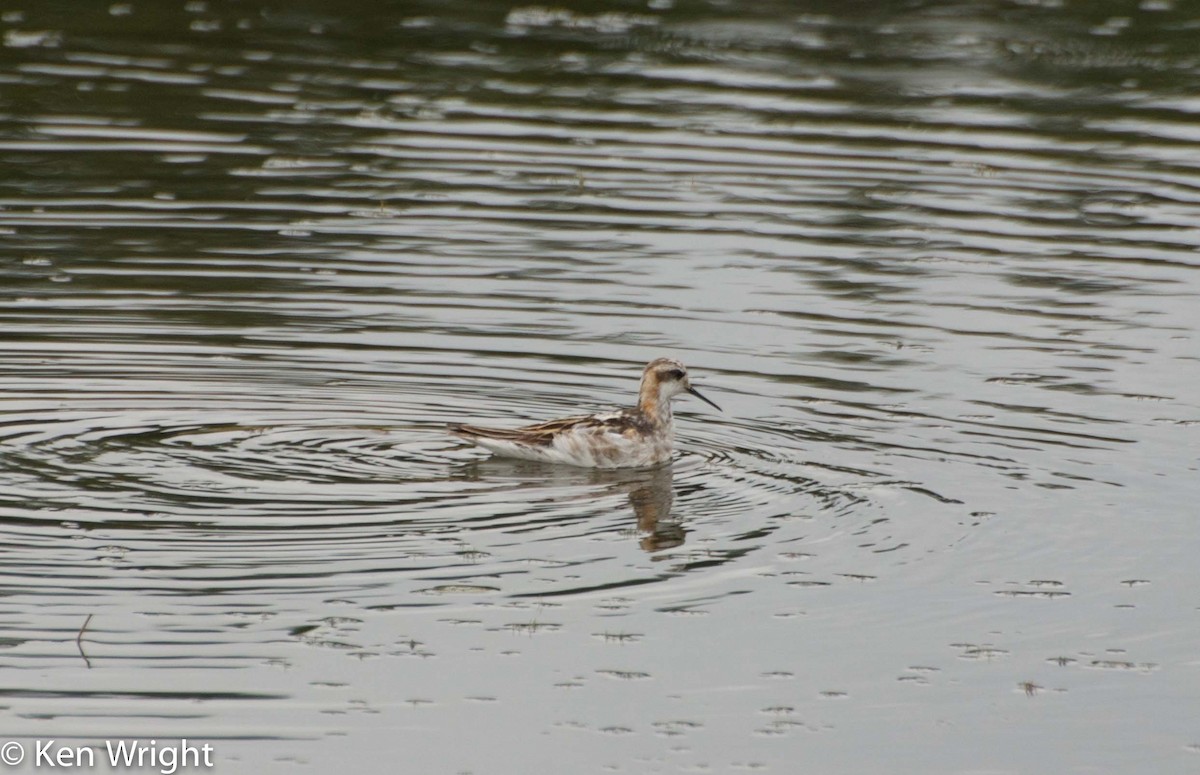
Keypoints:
(675, 374)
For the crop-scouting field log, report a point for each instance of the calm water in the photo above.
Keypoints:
(938, 262)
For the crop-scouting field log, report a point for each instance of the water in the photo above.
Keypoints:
(937, 262)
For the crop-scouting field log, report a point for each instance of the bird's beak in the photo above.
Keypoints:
(696, 393)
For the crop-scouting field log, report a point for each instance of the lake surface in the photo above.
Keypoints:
(939, 263)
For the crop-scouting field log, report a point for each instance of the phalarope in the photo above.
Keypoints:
(628, 438)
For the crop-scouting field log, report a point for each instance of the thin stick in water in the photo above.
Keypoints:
(79, 640)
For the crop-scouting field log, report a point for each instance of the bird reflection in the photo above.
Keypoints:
(650, 492)
(652, 497)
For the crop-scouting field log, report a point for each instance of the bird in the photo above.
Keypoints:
(640, 437)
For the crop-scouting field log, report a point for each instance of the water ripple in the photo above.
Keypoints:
(937, 264)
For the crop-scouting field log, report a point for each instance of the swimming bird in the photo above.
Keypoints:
(627, 438)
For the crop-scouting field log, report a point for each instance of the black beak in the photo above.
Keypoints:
(696, 393)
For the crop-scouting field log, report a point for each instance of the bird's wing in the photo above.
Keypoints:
(543, 433)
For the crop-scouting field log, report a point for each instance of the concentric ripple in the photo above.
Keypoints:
(329, 476)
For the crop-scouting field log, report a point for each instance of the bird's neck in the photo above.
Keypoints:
(654, 406)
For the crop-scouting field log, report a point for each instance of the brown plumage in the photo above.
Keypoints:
(624, 422)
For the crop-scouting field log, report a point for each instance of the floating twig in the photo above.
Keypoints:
(79, 640)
